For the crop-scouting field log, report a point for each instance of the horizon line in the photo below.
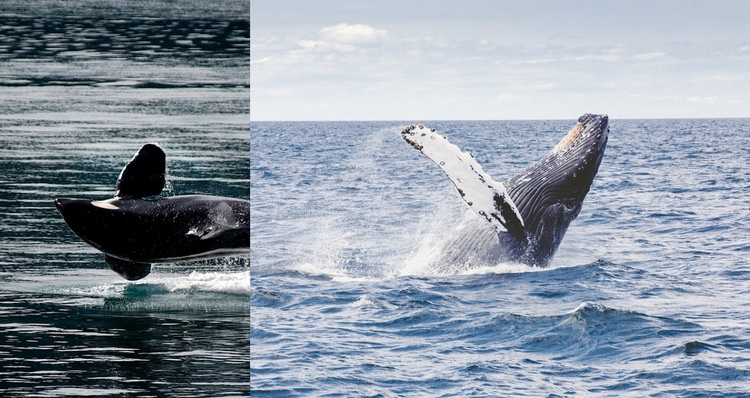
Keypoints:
(489, 120)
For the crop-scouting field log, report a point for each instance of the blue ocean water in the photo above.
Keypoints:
(83, 84)
(647, 295)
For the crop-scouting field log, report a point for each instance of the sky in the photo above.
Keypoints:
(413, 60)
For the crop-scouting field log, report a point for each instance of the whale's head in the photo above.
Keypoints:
(74, 210)
(574, 161)
(549, 195)
(86, 218)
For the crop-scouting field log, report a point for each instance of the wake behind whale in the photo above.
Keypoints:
(524, 219)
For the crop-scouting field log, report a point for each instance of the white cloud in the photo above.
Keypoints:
(703, 100)
(540, 61)
(324, 46)
(719, 78)
(358, 34)
(508, 97)
(343, 38)
(448, 65)
(648, 56)
(263, 60)
(602, 58)
(611, 54)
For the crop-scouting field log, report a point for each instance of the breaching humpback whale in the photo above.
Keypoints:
(524, 219)
(134, 231)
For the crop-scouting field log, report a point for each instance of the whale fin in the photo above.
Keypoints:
(144, 174)
(129, 270)
(486, 197)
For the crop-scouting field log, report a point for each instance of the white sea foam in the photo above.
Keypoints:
(220, 282)
(333, 270)
(502, 268)
(90, 292)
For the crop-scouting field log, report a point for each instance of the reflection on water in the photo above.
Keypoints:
(83, 85)
(29, 37)
(47, 343)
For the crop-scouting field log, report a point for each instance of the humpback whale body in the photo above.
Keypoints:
(523, 219)
(134, 231)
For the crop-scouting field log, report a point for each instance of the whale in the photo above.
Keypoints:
(522, 220)
(136, 228)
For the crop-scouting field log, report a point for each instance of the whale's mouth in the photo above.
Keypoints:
(60, 204)
(66, 206)
(73, 210)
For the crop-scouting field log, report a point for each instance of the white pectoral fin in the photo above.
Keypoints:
(486, 197)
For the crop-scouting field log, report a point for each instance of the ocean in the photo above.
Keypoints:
(646, 296)
(83, 85)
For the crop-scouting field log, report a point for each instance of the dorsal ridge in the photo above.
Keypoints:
(144, 175)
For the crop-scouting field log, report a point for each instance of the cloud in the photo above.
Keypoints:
(446, 66)
(601, 58)
(323, 46)
(611, 54)
(260, 61)
(540, 61)
(343, 38)
(508, 97)
(703, 100)
(719, 78)
(647, 56)
(356, 35)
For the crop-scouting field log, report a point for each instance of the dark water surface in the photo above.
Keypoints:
(648, 294)
(83, 85)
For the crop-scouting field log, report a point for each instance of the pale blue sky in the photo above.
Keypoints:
(492, 59)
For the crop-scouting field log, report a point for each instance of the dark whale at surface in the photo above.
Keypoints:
(134, 231)
(525, 218)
